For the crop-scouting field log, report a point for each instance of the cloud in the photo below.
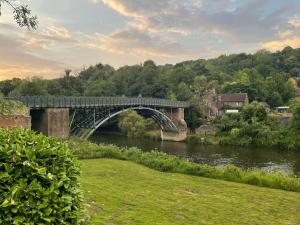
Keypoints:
(43, 39)
(144, 8)
(251, 21)
(295, 21)
(134, 41)
(17, 60)
(280, 44)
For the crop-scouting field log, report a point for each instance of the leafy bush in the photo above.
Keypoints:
(12, 108)
(169, 163)
(87, 150)
(296, 118)
(152, 135)
(132, 124)
(254, 110)
(39, 180)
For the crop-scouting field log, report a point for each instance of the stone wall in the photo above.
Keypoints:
(16, 122)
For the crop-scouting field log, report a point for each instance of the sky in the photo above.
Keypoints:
(75, 34)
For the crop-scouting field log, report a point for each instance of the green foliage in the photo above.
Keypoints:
(87, 150)
(39, 180)
(253, 127)
(296, 118)
(193, 118)
(12, 108)
(254, 111)
(132, 124)
(265, 76)
(168, 163)
(183, 92)
(152, 135)
(31, 87)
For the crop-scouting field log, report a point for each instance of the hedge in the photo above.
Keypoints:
(39, 180)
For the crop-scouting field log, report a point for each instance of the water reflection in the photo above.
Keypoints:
(267, 159)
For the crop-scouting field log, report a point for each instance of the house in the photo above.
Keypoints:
(297, 95)
(232, 100)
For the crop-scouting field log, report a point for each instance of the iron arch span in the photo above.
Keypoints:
(85, 122)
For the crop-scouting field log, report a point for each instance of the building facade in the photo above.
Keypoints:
(232, 100)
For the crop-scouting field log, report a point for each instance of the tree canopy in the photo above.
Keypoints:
(265, 76)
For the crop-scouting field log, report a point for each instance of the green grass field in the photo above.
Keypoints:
(122, 192)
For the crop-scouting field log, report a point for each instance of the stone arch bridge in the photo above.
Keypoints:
(81, 116)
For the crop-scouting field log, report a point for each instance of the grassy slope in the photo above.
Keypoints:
(122, 192)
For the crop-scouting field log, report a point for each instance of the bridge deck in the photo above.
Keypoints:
(37, 102)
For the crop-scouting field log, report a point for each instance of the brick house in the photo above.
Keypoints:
(233, 100)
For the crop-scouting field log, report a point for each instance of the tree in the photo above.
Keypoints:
(254, 111)
(296, 117)
(193, 118)
(183, 92)
(7, 86)
(132, 124)
(31, 87)
(22, 14)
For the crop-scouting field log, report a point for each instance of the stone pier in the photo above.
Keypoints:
(177, 116)
(51, 121)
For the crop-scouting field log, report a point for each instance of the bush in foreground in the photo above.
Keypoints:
(39, 180)
(169, 163)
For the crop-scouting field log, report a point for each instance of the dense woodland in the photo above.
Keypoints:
(263, 75)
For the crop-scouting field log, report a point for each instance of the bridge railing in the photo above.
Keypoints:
(79, 102)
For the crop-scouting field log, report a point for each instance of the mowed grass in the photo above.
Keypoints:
(122, 192)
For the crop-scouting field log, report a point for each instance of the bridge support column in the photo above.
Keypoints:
(177, 116)
(51, 122)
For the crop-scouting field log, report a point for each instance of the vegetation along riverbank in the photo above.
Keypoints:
(253, 126)
(168, 163)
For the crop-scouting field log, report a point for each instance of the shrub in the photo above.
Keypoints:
(152, 135)
(39, 180)
(132, 124)
(254, 110)
(11, 108)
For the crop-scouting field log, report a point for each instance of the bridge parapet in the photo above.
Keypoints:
(38, 102)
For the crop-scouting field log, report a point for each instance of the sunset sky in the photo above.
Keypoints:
(77, 33)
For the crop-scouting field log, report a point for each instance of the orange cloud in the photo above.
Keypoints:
(280, 44)
(295, 21)
(134, 41)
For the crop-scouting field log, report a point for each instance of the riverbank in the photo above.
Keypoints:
(122, 192)
(284, 140)
(169, 163)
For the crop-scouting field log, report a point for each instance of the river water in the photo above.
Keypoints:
(220, 156)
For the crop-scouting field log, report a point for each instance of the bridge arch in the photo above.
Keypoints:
(81, 116)
(165, 123)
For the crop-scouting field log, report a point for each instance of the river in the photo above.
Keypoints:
(220, 156)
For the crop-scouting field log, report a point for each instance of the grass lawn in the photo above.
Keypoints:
(122, 192)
